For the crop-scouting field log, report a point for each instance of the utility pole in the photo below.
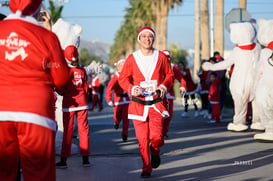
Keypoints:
(211, 28)
(219, 27)
(197, 39)
(242, 4)
(205, 30)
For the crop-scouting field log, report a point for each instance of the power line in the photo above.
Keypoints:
(120, 16)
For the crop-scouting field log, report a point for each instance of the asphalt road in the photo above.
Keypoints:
(195, 150)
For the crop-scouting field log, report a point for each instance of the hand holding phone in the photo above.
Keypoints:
(41, 16)
(44, 18)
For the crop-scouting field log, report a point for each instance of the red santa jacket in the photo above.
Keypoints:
(214, 91)
(120, 97)
(32, 64)
(178, 76)
(190, 85)
(95, 85)
(203, 85)
(75, 94)
(158, 74)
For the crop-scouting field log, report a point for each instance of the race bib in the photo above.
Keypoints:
(148, 87)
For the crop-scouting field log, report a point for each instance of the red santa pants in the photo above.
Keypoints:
(121, 113)
(34, 145)
(168, 120)
(83, 129)
(96, 100)
(215, 114)
(146, 132)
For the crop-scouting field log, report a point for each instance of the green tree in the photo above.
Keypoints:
(86, 58)
(178, 54)
(138, 14)
(55, 11)
(153, 13)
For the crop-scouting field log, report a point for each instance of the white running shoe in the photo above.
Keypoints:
(264, 137)
(196, 114)
(257, 127)
(184, 114)
(237, 127)
(202, 112)
(211, 121)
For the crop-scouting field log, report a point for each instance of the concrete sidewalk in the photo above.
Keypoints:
(194, 150)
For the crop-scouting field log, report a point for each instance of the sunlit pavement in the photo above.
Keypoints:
(195, 150)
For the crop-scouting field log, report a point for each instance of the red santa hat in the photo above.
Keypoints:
(144, 29)
(167, 53)
(25, 7)
(119, 61)
(71, 53)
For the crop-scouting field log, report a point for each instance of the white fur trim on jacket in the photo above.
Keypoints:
(28, 118)
(75, 109)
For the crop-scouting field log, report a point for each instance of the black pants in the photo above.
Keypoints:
(204, 100)
(186, 98)
(101, 90)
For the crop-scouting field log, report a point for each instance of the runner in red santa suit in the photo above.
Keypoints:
(32, 65)
(75, 103)
(170, 95)
(95, 86)
(120, 101)
(191, 89)
(147, 76)
(214, 97)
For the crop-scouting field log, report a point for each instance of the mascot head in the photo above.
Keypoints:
(265, 33)
(242, 33)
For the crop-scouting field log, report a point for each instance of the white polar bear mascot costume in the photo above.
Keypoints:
(264, 86)
(245, 57)
(68, 34)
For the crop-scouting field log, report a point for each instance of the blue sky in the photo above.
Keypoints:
(101, 19)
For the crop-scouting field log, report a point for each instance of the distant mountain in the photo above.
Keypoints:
(100, 49)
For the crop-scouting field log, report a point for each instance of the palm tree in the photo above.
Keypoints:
(161, 9)
(205, 29)
(142, 15)
(219, 27)
(139, 14)
(197, 39)
(55, 11)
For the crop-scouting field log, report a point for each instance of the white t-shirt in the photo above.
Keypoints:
(147, 63)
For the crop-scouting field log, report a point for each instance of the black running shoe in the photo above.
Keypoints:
(116, 126)
(145, 175)
(155, 161)
(85, 161)
(61, 164)
(124, 138)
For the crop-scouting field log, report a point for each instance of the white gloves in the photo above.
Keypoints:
(182, 90)
(110, 103)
